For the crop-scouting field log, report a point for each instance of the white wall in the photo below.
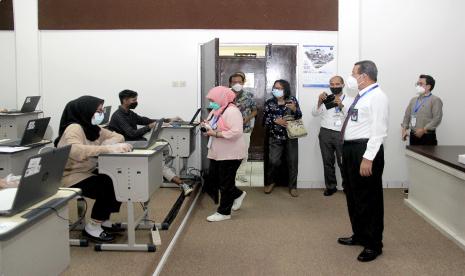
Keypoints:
(416, 37)
(7, 69)
(101, 63)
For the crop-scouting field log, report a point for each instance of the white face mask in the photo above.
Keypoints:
(420, 89)
(97, 119)
(352, 83)
(237, 87)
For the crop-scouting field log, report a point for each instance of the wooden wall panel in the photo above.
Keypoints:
(188, 14)
(6, 15)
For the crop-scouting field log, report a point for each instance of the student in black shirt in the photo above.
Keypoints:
(125, 121)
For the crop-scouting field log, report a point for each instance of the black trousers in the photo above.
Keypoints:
(428, 139)
(364, 195)
(223, 173)
(100, 188)
(289, 149)
(331, 152)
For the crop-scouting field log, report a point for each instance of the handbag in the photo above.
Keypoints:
(296, 129)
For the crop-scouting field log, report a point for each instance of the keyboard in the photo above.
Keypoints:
(15, 143)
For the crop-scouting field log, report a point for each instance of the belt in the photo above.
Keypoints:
(427, 131)
(332, 130)
(356, 141)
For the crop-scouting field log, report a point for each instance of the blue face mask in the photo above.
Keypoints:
(214, 106)
(277, 92)
(97, 119)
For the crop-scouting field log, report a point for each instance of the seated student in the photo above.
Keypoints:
(125, 122)
(79, 128)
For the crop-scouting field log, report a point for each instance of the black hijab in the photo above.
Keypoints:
(80, 111)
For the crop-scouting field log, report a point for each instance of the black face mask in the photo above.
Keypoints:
(335, 90)
(133, 105)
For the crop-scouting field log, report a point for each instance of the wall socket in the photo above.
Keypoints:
(178, 83)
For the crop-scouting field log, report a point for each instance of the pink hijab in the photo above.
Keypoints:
(223, 96)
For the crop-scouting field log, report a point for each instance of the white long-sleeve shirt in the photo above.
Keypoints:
(333, 118)
(372, 120)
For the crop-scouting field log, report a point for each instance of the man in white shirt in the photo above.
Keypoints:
(332, 114)
(363, 131)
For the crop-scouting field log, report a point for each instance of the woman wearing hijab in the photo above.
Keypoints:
(278, 109)
(226, 148)
(79, 128)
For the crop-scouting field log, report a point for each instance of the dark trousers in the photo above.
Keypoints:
(100, 188)
(428, 139)
(224, 174)
(331, 149)
(364, 195)
(287, 150)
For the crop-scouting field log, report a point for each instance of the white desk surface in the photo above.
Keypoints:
(10, 226)
(139, 152)
(19, 113)
(9, 150)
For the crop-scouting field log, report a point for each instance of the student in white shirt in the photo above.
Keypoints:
(363, 131)
(332, 114)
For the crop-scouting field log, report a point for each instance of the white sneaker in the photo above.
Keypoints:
(218, 217)
(242, 178)
(187, 189)
(238, 202)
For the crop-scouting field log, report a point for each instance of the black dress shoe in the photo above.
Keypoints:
(348, 241)
(329, 192)
(113, 229)
(103, 237)
(368, 255)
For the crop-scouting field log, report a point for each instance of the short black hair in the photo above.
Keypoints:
(127, 94)
(286, 86)
(429, 80)
(237, 74)
(368, 67)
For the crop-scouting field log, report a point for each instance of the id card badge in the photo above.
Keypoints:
(209, 144)
(338, 123)
(413, 121)
(354, 115)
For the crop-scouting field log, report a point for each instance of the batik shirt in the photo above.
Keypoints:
(246, 104)
(274, 111)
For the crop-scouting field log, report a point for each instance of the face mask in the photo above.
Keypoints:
(237, 87)
(277, 92)
(335, 90)
(132, 105)
(214, 106)
(97, 119)
(420, 89)
(352, 83)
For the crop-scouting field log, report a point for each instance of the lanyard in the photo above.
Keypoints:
(337, 107)
(418, 106)
(359, 97)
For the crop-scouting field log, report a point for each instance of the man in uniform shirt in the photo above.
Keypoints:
(423, 114)
(363, 131)
(332, 116)
(125, 122)
(246, 104)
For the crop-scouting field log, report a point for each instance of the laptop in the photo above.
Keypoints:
(34, 133)
(106, 115)
(153, 137)
(29, 105)
(40, 179)
(184, 123)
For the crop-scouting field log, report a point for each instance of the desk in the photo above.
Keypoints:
(38, 245)
(12, 125)
(135, 175)
(13, 162)
(437, 188)
(182, 142)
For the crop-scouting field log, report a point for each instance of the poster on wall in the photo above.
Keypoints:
(319, 65)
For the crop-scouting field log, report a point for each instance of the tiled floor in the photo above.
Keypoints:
(253, 174)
